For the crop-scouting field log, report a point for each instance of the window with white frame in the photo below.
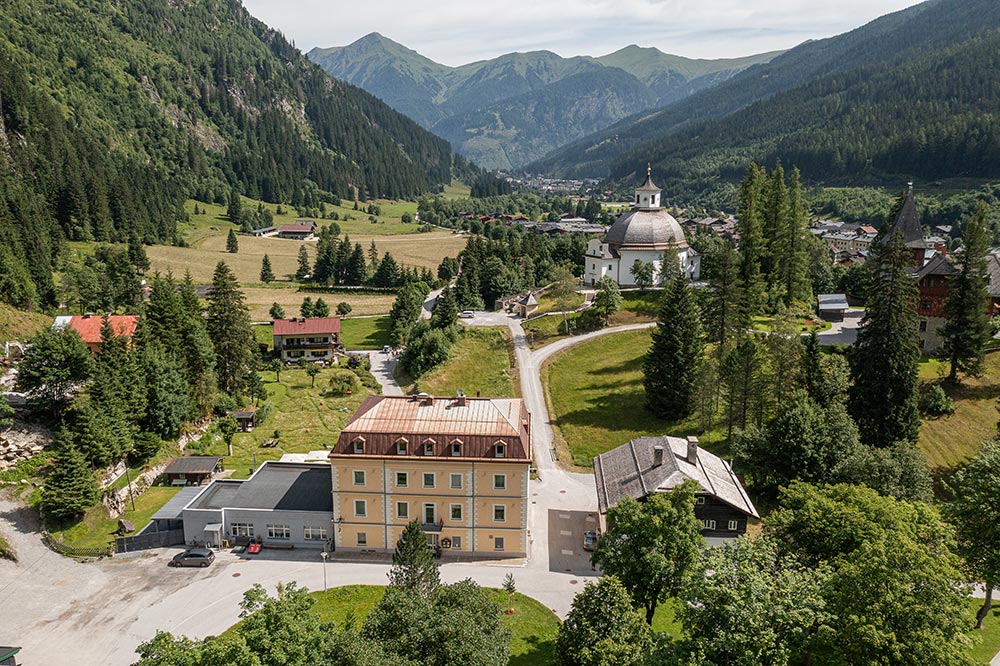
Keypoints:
(456, 482)
(359, 477)
(401, 447)
(499, 482)
(360, 508)
(362, 538)
(499, 513)
(498, 543)
(428, 479)
(429, 447)
(279, 532)
(456, 448)
(500, 450)
(456, 543)
(359, 445)
(734, 525)
(403, 510)
(699, 500)
(456, 512)
(708, 524)
(314, 533)
(241, 529)
(402, 478)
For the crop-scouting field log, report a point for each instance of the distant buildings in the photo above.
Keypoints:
(643, 233)
(300, 230)
(648, 465)
(88, 326)
(313, 338)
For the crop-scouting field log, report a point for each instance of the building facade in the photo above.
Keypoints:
(314, 339)
(644, 234)
(459, 466)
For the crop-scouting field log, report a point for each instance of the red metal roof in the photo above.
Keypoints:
(89, 326)
(301, 228)
(311, 326)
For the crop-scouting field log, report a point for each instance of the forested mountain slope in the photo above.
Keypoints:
(913, 93)
(114, 112)
(509, 110)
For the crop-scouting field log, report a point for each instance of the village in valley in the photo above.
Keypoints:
(288, 377)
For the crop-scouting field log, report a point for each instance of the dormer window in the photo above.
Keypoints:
(401, 446)
(456, 447)
(359, 445)
(429, 447)
(500, 450)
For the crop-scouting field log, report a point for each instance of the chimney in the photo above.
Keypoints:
(692, 456)
(657, 456)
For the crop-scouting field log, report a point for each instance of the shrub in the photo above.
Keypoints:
(934, 401)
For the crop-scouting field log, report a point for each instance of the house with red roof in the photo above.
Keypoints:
(88, 326)
(313, 338)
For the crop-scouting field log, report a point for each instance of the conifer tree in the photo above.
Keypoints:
(967, 330)
(93, 435)
(305, 268)
(774, 220)
(445, 312)
(70, 488)
(752, 241)
(791, 259)
(742, 375)
(166, 391)
(232, 243)
(357, 268)
(276, 311)
(229, 329)
(372, 255)
(884, 365)
(670, 370)
(725, 302)
(387, 274)
(307, 309)
(320, 308)
(235, 208)
(413, 564)
(266, 274)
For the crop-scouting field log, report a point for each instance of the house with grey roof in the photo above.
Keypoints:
(648, 465)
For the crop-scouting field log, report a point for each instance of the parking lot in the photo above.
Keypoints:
(566, 553)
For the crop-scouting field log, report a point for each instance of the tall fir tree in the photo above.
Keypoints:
(445, 312)
(884, 364)
(235, 209)
(305, 267)
(266, 274)
(753, 245)
(790, 250)
(967, 330)
(743, 377)
(307, 308)
(387, 274)
(670, 369)
(413, 565)
(232, 242)
(774, 220)
(320, 308)
(725, 313)
(166, 391)
(70, 488)
(229, 329)
(357, 268)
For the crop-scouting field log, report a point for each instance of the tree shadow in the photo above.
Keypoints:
(540, 651)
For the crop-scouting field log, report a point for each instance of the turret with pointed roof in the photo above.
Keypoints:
(908, 223)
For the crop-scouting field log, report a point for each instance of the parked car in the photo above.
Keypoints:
(196, 557)
(466, 314)
(386, 349)
(589, 540)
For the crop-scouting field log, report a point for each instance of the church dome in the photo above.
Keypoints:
(646, 229)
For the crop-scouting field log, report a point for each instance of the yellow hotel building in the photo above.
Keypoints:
(458, 465)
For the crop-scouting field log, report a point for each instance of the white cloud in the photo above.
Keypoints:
(455, 32)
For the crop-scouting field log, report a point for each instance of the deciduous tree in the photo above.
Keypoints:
(607, 299)
(54, 363)
(643, 273)
(603, 628)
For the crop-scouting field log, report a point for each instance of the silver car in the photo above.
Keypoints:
(196, 557)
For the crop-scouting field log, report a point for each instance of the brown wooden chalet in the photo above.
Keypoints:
(649, 465)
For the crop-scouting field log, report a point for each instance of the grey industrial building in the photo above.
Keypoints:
(283, 504)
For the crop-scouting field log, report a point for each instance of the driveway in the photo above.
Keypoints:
(383, 367)
(843, 332)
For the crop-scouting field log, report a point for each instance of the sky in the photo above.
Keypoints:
(455, 32)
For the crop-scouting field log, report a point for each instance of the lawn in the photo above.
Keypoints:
(596, 399)
(260, 298)
(366, 332)
(97, 530)
(305, 418)
(637, 307)
(805, 325)
(19, 325)
(533, 626)
(987, 640)
(481, 360)
(457, 190)
(949, 440)
(547, 303)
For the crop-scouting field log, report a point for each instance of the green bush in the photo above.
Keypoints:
(934, 401)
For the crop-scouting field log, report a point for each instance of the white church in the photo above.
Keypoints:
(645, 232)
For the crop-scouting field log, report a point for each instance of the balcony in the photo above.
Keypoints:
(432, 527)
(288, 346)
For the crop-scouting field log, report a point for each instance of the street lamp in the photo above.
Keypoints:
(324, 555)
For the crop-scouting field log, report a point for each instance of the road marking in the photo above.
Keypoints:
(567, 552)
(565, 533)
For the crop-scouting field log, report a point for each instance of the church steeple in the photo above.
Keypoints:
(647, 195)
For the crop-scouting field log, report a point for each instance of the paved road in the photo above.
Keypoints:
(383, 367)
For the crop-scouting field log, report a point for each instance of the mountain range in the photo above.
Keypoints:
(113, 113)
(914, 93)
(505, 112)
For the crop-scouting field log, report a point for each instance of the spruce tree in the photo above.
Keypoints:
(232, 243)
(725, 301)
(670, 370)
(413, 564)
(235, 209)
(229, 329)
(306, 309)
(320, 308)
(884, 364)
(774, 220)
(166, 391)
(752, 242)
(305, 268)
(967, 330)
(387, 274)
(791, 260)
(266, 274)
(70, 488)
(276, 311)
(445, 311)
(357, 268)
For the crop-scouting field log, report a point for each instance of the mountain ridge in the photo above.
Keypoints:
(439, 96)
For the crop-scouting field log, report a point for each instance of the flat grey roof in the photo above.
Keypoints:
(192, 465)
(173, 508)
(275, 486)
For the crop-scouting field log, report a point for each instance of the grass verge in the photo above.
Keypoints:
(481, 360)
(366, 333)
(19, 325)
(97, 530)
